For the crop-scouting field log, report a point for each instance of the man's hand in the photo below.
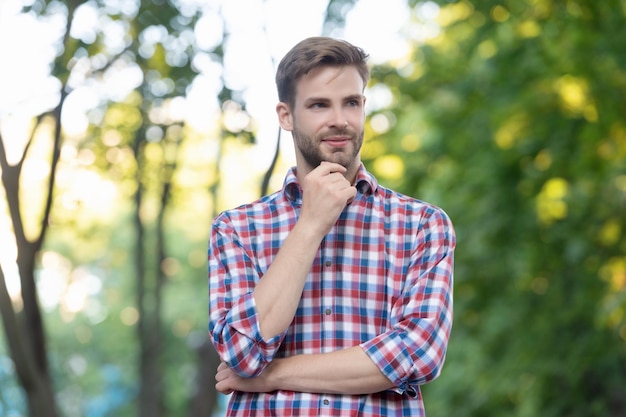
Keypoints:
(326, 193)
(228, 381)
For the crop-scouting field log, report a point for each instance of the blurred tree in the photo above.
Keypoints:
(509, 114)
(156, 39)
(25, 329)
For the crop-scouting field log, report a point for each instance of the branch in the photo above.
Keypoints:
(31, 139)
(11, 182)
(4, 163)
(56, 149)
(56, 153)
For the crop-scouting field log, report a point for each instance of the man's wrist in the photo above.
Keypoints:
(309, 230)
(271, 375)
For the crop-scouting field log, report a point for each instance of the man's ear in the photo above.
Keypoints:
(284, 116)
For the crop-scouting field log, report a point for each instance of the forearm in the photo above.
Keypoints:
(348, 371)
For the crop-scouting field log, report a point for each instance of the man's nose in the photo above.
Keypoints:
(339, 119)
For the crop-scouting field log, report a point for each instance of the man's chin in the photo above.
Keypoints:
(344, 159)
(338, 159)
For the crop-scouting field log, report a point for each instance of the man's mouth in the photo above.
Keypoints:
(337, 142)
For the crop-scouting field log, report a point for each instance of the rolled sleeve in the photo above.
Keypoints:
(233, 319)
(412, 353)
(402, 363)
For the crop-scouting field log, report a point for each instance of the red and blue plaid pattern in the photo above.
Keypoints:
(382, 279)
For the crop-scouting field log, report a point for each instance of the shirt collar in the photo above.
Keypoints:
(366, 184)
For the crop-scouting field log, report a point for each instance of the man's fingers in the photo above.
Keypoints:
(219, 387)
(329, 167)
(221, 376)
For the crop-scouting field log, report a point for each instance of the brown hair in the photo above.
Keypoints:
(312, 53)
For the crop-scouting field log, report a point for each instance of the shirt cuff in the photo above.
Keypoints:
(253, 352)
(393, 361)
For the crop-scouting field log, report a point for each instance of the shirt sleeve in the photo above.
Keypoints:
(413, 351)
(233, 320)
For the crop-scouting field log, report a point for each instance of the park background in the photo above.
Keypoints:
(126, 126)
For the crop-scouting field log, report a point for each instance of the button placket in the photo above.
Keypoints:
(327, 283)
(327, 265)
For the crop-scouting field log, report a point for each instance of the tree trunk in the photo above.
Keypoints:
(150, 397)
(204, 400)
(25, 331)
(36, 383)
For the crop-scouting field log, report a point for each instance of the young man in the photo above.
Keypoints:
(332, 296)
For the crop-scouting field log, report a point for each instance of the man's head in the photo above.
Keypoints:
(313, 53)
(321, 82)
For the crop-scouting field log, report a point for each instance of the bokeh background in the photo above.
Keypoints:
(127, 125)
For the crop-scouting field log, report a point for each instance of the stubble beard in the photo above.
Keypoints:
(310, 147)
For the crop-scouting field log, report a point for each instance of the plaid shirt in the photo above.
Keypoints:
(381, 279)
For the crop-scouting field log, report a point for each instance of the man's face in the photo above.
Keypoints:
(327, 118)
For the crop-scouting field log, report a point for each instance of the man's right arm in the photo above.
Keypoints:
(277, 294)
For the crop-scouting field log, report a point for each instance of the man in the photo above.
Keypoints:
(332, 296)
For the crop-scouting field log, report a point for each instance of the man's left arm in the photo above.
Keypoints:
(413, 351)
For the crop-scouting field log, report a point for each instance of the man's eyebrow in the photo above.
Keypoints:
(316, 99)
(358, 97)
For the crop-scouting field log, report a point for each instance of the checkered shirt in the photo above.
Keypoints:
(382, 279)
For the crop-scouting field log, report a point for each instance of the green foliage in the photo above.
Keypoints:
(511, 120)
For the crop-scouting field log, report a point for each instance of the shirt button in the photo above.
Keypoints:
(328, 263)
(326, 402)
(327, 312)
